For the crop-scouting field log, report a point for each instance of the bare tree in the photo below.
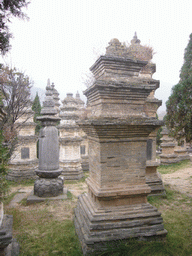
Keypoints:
(15, 92)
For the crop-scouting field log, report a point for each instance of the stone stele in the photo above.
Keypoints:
(116, 207)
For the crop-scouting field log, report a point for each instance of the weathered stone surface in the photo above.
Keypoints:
(22, 171)
(6, 232)
(153, 178)
(48, 187)
(96, 226)
(181, 151)
(48, 148)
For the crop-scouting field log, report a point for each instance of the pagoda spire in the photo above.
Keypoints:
(135, 40)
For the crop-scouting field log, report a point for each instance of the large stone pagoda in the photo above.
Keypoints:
(118, 128)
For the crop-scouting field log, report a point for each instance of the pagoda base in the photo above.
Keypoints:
(156, 185)
(168, 159)
(48, 187)
(22, 170)
(153, 179)
(97, 226)
(72, 172)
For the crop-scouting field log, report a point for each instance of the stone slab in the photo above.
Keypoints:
(12, 249)
(31, 199)
(6, 232)
(17, 198)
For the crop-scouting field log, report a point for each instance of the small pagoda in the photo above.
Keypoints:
(49, 183)
(70, 140)
(168, 144)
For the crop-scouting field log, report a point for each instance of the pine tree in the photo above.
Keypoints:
(179, 104)
(36, 107)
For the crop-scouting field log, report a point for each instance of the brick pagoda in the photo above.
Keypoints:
(118, 128)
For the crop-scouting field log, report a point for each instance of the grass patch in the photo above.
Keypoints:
(23, 202)
(70, 196)
(40, 233)
(171, 168)
(29, 182)
(7, 199)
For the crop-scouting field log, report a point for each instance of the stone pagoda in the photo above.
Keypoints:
(70, 140)
(118, 127)
(84, 147)
(168, 144)
(80, 102)
(48, 183)
(181, 151)
(55, 98)
(24, 159)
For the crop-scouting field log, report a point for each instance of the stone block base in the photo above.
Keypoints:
(154, 180)
(156, 185)
(32, 199)
(48, 187)
(97, 226)
(72, 174)
(168, 159)
(22, 171)
(8, 245)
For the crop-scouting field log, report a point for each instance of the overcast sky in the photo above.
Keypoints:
(61, 37)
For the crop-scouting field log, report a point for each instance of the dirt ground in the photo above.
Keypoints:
(180, 180)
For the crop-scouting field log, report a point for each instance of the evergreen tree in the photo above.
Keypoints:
(179, 104)
(36, 107)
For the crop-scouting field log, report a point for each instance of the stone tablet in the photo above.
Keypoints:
(149, 149)
(24, 153)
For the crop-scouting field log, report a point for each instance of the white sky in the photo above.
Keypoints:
(58, 40)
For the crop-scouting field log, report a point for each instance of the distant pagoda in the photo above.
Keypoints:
(70, 140)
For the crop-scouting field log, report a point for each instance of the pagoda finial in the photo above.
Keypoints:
(135, 40)
(48, 82)
(77, 95)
